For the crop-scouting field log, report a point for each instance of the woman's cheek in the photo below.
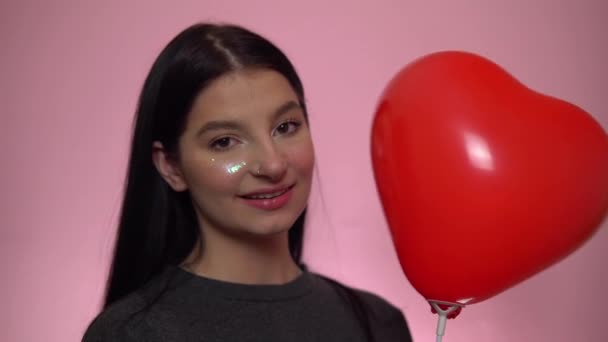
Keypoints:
(302, 156)
(232, 168)
(227, 170)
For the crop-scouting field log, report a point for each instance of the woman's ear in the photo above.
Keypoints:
(168, 167)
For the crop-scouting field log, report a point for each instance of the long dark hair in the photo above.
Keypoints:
(158, 226)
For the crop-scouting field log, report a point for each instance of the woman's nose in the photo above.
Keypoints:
(271, 162)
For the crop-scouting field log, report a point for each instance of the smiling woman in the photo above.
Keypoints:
(209, 240)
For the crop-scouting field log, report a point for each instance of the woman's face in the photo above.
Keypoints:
(246, 154)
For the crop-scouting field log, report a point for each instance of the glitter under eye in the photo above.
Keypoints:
(233, 168)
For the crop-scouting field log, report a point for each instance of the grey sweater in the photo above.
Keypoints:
(180, 306)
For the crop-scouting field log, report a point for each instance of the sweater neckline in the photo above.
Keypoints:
(300, 286)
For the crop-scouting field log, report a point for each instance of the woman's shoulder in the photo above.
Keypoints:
(388, 321)
(115, 323)
(378, 305)
(125, 319)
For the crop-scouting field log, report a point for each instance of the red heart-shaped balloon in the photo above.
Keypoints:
(483, 181)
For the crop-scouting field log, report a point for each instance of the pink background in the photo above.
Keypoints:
(70, 74)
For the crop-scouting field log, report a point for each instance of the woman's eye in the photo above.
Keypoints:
(223, 143)
(287, 127)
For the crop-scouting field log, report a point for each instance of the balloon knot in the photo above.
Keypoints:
(450, 315)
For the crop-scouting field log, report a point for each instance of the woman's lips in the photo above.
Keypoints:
(267, 191)
(269, 203)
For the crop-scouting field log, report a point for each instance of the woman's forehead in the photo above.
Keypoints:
(241, 94)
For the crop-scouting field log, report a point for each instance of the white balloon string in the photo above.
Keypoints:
(442, 317)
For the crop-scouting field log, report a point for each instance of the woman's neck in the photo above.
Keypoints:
(244, 260)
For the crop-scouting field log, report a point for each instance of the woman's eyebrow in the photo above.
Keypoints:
(286, 107)
(219, 125)
(235, 125)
